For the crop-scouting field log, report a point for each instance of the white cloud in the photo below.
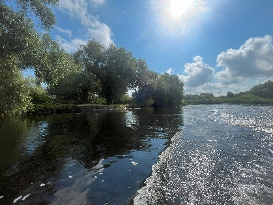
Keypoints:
(197, 73)
(101, 33)
(253, 59)
(67, 32)
(244, 68)
(97, 3)
(215, 88)
(170, 70)
(71, 46)
(94, 28)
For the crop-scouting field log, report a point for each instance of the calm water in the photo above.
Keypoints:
(95, 158)
(223, 155)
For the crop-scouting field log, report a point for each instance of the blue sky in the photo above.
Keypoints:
(215, 46)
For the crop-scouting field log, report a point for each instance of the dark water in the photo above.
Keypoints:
(223, 155)
(95, 158)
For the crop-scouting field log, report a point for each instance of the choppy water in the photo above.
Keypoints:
(223, 155)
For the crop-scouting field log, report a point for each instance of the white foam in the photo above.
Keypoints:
(24, 198)
(17, 199)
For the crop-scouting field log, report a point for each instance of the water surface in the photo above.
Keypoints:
(216, 154)
(223, 155)
(100, 157)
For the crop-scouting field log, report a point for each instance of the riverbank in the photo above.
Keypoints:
(45, 109)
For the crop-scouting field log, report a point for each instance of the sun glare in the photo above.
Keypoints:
(179, 7)
(177, 18)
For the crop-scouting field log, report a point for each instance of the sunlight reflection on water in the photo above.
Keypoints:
(223, 155)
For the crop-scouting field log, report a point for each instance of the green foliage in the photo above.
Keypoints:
(14, 89)
(263, 90)
(115, 68)
(230, 95)
(75, 87)
(38, 94)
(203, 98)
(40, 8)
(160, 91)
(125, 99)
(145, 88)
(21, 47)
(57, 64)
(260, 94)
(18, 36)
(168, 91)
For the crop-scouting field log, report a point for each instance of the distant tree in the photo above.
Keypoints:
(142, 74)
(168, 91)
(160, 91)
(191, 97)
(230, 95)
(143, 94)
(206, 95)
(263, 90)
(114, 67)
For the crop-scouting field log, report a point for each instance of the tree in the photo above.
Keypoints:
(230, 95)
(14, 91)
(115, 68)
(57, 63)
(77, 87)
(168, 91)
(18, 36)
(145, 88)
(20, 47)
(263, 90)
(160, 91)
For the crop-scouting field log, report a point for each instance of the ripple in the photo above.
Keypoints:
(222, 156)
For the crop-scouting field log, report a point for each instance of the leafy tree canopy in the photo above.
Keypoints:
(21, 47)
(18, 36)
(263, 90)
(115, 68)
(57, 63)
(160, 90)
(14, 90)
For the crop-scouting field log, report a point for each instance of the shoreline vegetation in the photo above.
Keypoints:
(261, 94)
(258, 95)
(73, 108)
(93, 74)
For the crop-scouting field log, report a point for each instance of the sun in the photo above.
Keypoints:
(179, 7)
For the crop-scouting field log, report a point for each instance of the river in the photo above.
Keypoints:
(223, 155)
(201, 154)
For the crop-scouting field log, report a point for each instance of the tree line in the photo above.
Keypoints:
(259, 94)
(93, 74)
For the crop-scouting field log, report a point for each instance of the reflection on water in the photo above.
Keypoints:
(94, 158)
(223, 155)
(36, 137)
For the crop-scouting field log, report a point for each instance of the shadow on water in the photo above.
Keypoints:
(59, 158)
